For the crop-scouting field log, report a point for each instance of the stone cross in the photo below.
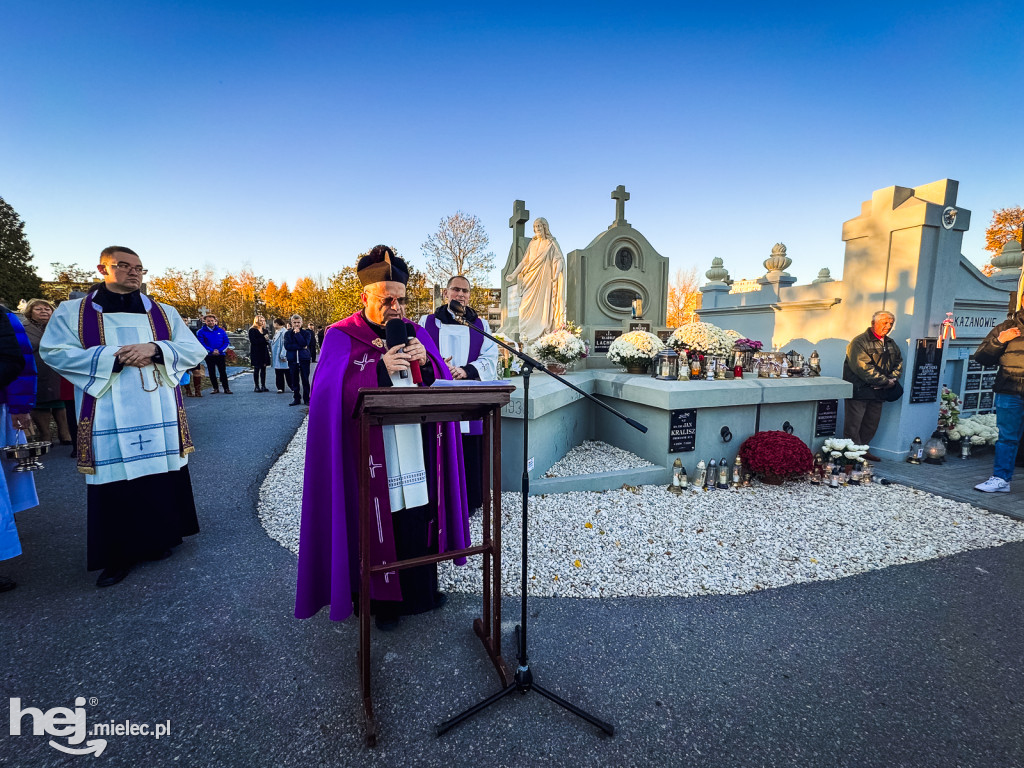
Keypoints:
(519, 217)
(620, 196)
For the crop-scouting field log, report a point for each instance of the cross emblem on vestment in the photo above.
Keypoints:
(620, 196)
(141, 443)
(364, 362)
(374, 466)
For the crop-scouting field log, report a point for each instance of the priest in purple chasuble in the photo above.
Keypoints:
(470, 356)
(417, 485)
(126, 355)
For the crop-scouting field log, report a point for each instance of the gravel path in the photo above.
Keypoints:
(647, 542)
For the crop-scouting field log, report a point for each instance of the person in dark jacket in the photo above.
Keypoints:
(873, 365)
(1004, 346)
(215, 339)
(314, 344)
(297, 341)
(259, 352)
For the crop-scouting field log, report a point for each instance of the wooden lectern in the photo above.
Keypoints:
(425, 405)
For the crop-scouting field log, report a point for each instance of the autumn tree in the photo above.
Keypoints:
(1007, 224)
(343, 290)
(277, 301)
(68, 278)
(311, 299)
(683, 298)
(18, 278)
(188, 291)
(459, 247)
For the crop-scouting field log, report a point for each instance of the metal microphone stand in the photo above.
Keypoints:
(523, 681)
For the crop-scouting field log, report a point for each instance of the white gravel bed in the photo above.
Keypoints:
(646, 542)
(593, 456)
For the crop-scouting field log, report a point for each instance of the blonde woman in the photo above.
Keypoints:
(259, 352)
(48, 385)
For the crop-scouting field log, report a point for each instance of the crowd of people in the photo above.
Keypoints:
(110, 370)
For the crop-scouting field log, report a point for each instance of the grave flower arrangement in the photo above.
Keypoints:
(508, 364)
(844, 448)
(748, 345)
(635, 349)
(561, 346)
(776, 456)
(703, 337)
(949, 408)
(980, 430)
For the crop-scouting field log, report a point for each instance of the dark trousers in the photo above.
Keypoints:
(259, 376)
(300, 370)
(861, 420)
(216, 363)
(283, 378)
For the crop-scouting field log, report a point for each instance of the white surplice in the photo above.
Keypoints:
(403, 456)
(135, 432)
(453, 342)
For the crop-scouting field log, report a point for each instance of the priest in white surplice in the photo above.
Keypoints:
(470, 356)
(126, 355)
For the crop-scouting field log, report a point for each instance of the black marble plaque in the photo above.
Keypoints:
(665, 335)
(988, 380)
(973, 381)
(638, 325)
(825, 418)
(971, 401)
(682, 430)
(604, 339)
(986, 402)
(924, 382)
(973, 365)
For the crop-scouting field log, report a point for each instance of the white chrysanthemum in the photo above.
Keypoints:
(635, 347)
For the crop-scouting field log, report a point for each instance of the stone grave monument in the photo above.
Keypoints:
(616, 284)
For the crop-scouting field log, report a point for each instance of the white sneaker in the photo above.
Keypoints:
(993, 485)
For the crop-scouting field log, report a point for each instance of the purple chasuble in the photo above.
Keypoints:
(476, 341)
(328, 572)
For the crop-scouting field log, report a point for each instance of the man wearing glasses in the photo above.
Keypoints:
(126, 355)
(417, 490)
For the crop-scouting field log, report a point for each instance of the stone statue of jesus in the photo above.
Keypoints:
(540, 277)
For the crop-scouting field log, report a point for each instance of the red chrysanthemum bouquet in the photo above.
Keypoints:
(774, 455)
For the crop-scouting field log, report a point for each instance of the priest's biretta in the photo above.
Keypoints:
(380, 265)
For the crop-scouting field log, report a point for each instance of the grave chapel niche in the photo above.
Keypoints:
(603, 280)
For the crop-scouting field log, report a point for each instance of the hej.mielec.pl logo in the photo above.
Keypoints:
(63, 722)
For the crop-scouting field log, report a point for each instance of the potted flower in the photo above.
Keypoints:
(844, 451)
(559, 349)
(508, 364)
(634, 351)
(949, 410)
(703, 337)
(776, 456)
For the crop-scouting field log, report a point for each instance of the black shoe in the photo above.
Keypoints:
(215, 391)
(264, 390)
(257, 390)
(295, 402)
(6, 584)
(280, 391)
(228, 392)
(111, 576)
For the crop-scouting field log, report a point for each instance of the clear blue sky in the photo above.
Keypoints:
(292, 136)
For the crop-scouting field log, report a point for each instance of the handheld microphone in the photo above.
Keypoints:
(396, 333)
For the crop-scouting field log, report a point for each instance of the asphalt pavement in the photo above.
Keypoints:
(915, 665)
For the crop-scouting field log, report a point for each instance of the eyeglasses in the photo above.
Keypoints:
(389, 301)
(130, 269)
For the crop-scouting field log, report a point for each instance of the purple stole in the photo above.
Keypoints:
(90, 334)
(476, 341)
